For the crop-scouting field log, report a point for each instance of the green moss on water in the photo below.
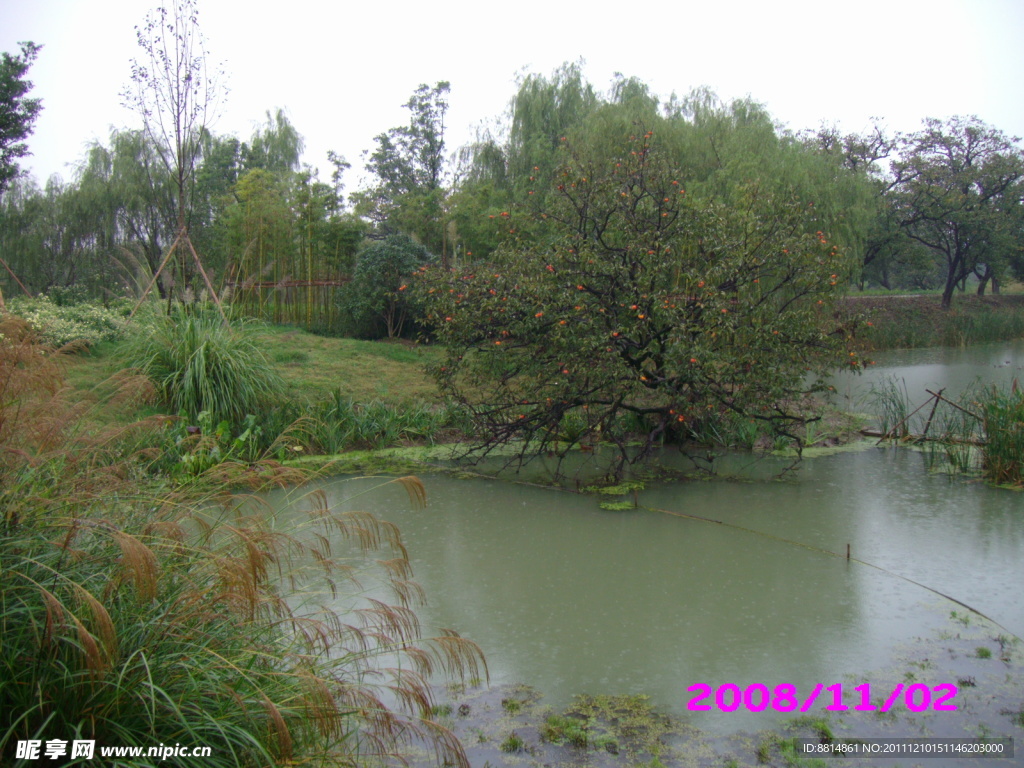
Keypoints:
(617, 506)
(621, 489)
(385, 461)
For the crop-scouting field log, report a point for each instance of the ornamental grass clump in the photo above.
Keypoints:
(1003, 452)
(136, 614)
(199, 362)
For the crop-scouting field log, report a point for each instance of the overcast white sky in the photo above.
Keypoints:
(342, 70)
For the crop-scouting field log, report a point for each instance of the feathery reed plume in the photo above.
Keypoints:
(133, 609)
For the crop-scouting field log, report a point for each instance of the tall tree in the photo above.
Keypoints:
(126, 180)
(950, 186)
(409, 165)
(17, 113)
(177, 96)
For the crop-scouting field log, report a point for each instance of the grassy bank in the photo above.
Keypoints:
(903, 322)
(312, 367)
(315, 368)
(346, 394)
(139, 607)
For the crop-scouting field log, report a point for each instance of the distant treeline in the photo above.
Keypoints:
(930, 210)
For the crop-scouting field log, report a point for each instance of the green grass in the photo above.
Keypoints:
(513, 743)
(559, 729)
(134, 612)
(313, 370)
(336, 394)
(920, 321)
(392, 372)
(339, 423)
(312, 367)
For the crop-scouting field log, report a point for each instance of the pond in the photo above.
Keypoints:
(726, 581)
(953, 369)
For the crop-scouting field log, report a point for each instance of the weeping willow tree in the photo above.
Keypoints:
(105, 231)
(275, 146)
(129, 186)
(722, 147)
(502, 167)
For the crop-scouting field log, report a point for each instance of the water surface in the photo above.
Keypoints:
(570, 598)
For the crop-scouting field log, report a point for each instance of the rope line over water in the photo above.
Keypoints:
(823, 551)
(784, 540)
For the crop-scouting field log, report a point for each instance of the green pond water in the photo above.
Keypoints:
(569, 598)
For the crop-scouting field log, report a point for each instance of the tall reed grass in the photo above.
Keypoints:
(136, 614)
(1003, 414)
(981, 433)
(910, 322)
(891, 403)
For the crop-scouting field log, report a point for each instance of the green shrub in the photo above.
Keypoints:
(199, 363)
(376, 303)
(58, 324)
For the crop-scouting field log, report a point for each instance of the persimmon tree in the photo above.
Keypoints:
(645, 310)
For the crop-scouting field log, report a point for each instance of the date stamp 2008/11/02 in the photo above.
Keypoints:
(785, 698)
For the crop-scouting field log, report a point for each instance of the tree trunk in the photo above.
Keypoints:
(947, 292)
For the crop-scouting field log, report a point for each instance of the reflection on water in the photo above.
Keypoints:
(570, 598)
(954, 370)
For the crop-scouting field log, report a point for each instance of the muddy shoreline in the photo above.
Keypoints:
(510, 725)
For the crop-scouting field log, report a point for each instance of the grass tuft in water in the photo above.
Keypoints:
(1003, 455)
